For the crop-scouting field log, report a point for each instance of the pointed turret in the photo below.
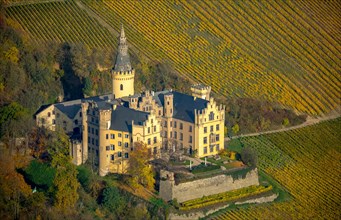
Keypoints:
(122, 63)
(122, 73)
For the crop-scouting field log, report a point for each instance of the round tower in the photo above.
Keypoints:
(122, 73)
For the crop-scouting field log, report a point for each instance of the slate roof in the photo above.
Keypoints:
(184, 105)
(122, 63)
(122, 117)
(71, 108)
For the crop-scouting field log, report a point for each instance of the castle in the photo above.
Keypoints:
(105, 128)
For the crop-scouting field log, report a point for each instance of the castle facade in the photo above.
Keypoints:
(104, 129)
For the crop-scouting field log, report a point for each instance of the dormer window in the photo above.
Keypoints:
(121, 87)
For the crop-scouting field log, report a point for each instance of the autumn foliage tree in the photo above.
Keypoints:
(65, 184)
(140, 171)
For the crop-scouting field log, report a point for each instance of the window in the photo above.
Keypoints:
(121, 87)
(181, 136)
(175, 124)
(112, 136)
(205, 150)
(96, 120)
(190, 128)
(211, 128)
(112, 157)
(119, 154)
(126, 135)
(106, 136)
(148, 140)
(76, 122)
(49, 114)
(155, 140)
(80, 114)
(181, 145)
(96, 131)
(92, 119)
(190, 139)
(119, 143)
(112, 147)
(217, 147)
(155, 128)
(175, 135)
(92, 130)
(159, 112)
(53, 112)
(107, 148)
(165, 124)
(152, 121)
(165, 134)
(126, 155)
(217, 127)
(89, 140)
(125, 144)
(97, 142)
(217, 137)
(205, 129)
(205, 140)
(148, 130)
(211, 116)
(57, 115)
(171, 124)
(53, 121)
(93, 141)
(211, 148)
(119, 135)
(181, 126)
(171, 134)
(93, 112)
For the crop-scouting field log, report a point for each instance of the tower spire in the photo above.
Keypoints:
(122, 63)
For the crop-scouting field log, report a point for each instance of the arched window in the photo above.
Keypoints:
(121, 87)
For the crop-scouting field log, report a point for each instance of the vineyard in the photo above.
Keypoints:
(60, 22)
(306, 162)
(269, 50)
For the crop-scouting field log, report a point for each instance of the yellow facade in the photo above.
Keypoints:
(123, 83)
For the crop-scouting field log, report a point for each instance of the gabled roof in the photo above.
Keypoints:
(71, 108)
(122, 117)
(184, 105)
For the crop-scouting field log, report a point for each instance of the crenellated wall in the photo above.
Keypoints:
(203, 187)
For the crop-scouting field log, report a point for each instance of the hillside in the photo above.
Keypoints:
(287, 51)
(306, 162)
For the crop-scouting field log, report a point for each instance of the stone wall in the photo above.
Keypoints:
(203, 187)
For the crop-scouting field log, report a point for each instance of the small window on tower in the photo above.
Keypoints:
(121, 87)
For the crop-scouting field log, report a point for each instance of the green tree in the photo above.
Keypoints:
(285, 122)
(41, 174)
(235, 129)
(113, 201)
(65, 184)
(139, 169)
(249, 156)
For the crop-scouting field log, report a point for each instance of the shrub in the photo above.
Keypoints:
(40, 174)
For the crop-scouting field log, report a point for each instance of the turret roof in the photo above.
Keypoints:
(122, 63)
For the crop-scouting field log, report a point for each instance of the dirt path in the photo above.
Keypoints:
(310, 121)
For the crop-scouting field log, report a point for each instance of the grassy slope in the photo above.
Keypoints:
(267, 50)
(306, 162)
